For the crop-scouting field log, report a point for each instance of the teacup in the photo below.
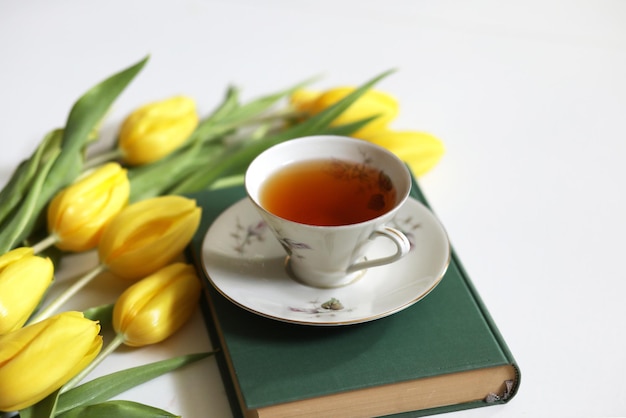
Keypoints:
(326, 198)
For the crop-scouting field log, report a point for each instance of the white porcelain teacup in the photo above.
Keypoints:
(326, 229)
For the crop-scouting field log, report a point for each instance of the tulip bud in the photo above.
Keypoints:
(148, 235)
(24, 279)
(155, 307)
(421, 151)
(302, 99)
(78, 214)
(38, 359)
(156, 129)
(371, 103)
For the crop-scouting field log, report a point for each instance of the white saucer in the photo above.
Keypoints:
(246, 264)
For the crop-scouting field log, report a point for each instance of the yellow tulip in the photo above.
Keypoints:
(78, 214)
(38, 359)
(24, 279)
(155, 307)
(148, 235)
(302, 99)
(420, 150)
(156, 129)
(371, 103)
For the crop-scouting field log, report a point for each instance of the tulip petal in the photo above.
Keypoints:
(24, 279)
(15, 255)
(303, 99)
(61, 346)
(420, 150)
(78, 214)
(155, 130)
(372, 103)
(155, 307)
(148, 235)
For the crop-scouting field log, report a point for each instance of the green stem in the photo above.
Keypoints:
(100, 159)
(111, 347)
(45, 243)
(63, 297)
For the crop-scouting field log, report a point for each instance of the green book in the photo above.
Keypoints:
(441, 354)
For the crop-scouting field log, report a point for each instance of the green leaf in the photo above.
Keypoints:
(323, 119)
(105, 387)
(183, 170)
(23, 177)
(228, 105)
(158, 178)
(102, 314)
(84, 116)
(13, 231)
(125, 409)
(237, 160)
(255, 107)
(230, 115)
(348, 128)
(91, 108)
(193, 176)
(207, 129)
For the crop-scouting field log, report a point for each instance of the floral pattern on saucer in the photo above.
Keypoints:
(328, 308)
(245, 236)
(244, 262)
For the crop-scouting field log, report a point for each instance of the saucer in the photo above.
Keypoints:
(246, 264)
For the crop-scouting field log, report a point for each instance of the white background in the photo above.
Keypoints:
(528, 96)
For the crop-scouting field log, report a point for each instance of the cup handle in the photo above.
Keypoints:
(403, 247)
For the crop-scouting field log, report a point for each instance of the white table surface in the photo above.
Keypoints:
(528, 96)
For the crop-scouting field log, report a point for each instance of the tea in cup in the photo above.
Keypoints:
(326, 198)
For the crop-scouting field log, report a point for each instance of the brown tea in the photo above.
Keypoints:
(328, 193)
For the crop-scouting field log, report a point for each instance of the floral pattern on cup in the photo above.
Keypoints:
(245, 236)
(255, 232)
(293, 247)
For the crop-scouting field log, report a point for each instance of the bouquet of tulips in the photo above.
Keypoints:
(128, 205)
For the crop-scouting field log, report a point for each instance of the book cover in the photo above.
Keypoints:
(441, 354)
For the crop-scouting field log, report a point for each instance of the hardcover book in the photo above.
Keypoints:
(441, 354)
